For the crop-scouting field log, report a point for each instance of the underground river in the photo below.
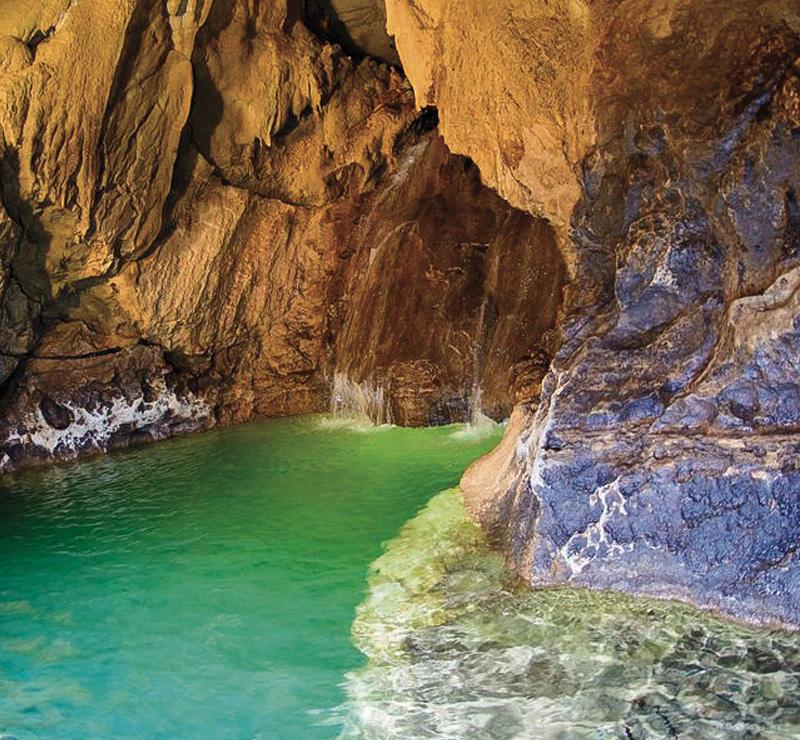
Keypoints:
(238, 585)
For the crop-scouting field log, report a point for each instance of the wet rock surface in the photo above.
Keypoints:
(211, 200)
(109, 401)
(660, 459)
(456, 294)
(459, 649)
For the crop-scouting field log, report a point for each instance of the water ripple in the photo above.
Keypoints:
(201, 588)
(459, 650)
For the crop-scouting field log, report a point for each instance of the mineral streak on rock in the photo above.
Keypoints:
(455, 294)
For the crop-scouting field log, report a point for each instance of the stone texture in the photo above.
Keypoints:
(258, 111)
(63, 408)
(189, 229)
(512, 84)
(359, 26)
(453, 298)
(661, 457)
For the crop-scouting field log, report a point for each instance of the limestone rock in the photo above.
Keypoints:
(359, 26)
(67, 406)
(258, 115)
(512, 84)
(661, 458)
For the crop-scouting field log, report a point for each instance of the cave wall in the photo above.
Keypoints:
(661, 458)
(454, 299)
(211, 210)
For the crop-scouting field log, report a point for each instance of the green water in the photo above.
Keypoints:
(217, 587)
(203, 587)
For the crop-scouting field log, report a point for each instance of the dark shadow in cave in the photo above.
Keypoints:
(358, 27)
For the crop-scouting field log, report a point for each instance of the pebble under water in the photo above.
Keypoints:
(204, 587)
(460, 650)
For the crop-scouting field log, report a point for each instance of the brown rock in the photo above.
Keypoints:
(455, 287)
(259, 114)
(512, 84)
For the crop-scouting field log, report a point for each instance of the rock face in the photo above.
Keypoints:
(453, 299)
(662, 456)
(512, 81)
(213, 211)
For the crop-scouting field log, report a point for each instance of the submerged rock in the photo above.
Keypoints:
(459, 648)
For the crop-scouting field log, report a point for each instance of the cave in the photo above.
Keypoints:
(572, 224)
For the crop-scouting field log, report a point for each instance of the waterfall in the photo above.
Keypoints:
(487, 319)
(368, 403)
(363, 402)
(476, 416)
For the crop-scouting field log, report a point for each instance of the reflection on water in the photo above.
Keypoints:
(459, 650)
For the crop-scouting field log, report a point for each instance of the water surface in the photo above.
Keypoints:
(203, 587)
(206, 588)
(461, 650)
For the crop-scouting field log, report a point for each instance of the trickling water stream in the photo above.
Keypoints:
(364, 403)
(367, 403)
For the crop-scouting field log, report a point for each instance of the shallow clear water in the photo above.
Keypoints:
(460, 650)
(203, 587)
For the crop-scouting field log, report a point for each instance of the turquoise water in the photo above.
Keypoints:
(203, 587)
